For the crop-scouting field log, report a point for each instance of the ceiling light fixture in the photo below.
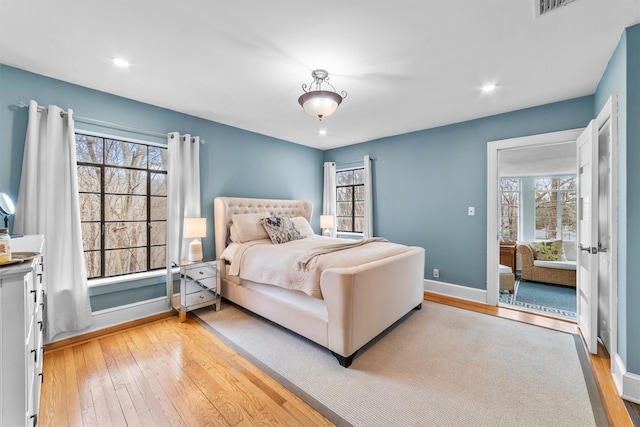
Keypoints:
(120, 62)
(490, 87)
(317, 102)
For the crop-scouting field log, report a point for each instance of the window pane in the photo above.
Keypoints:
(344, 224)
(343, 194)
(157, 158)
(125, 208)
(88, 179)
(125, 234)
(344, 209)
(158, 257)
(125, 181)
(358, 176)
(121, 153)
(344, 178)
(158, 232)
(359, 224)
(92, 263)
(158, 184)
(89, 207)
(359, 209)
(91, 236)
(158, 208)
(88, 149)
(124, 261)
(359, 192)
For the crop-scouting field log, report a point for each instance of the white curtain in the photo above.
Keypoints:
(329, 197)
(368, 199)
(48, 204)
(183, 196)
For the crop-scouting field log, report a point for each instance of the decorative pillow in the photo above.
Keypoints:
(280, 229)
(551, 250)
(247, 227)
(303, 226)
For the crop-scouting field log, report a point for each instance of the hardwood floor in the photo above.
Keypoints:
(169, 373)
(164, 373)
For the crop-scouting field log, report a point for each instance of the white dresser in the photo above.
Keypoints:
(22, 291)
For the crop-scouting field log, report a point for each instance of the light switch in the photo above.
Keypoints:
(472, 211)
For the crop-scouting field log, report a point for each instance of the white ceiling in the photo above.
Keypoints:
(406, 65)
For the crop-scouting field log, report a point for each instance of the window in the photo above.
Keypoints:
(123, 205)
(556, 208)
(510, 208)
(350, 200)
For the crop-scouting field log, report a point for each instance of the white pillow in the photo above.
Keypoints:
(303, 226)
(247, 227)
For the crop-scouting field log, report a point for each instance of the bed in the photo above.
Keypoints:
(355, 302)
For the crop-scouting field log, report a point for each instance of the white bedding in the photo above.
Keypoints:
(264, 262)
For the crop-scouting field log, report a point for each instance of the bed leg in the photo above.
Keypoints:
(344, 361)
(418, 307)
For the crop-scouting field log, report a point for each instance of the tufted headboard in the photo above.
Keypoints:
(225, 207)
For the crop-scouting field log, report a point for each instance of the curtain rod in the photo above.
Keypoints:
(90, 121)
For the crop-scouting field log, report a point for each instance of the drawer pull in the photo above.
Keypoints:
(35, 356)
(41, 378)
(201, 273)
(35, 297)
(41, 325)
(40, 277)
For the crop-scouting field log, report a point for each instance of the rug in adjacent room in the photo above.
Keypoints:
(547, 298)
(439, 366)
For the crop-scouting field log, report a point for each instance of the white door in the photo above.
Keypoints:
(587, 263)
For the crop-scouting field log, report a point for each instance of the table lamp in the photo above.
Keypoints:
(326, 223)
(193, 229)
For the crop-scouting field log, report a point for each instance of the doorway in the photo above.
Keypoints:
(606, 301)
(537, 187)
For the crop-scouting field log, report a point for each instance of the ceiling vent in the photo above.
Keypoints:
(545, 6)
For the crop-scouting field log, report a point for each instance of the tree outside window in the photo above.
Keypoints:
(556, 208)
(350, 200)
(510, 208)
(123, 205)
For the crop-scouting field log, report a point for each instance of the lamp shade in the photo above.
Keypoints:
(195, 227)
(320, 103)
(326, 221)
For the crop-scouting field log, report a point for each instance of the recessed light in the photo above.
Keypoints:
(120, 62)
(489, 87)
(322, 132)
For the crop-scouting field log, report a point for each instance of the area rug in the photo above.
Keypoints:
(543, 297)
(439, 366)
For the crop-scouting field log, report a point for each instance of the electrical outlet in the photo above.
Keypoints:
(472, 211)
(436, 272)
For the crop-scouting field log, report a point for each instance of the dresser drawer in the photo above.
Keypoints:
(201, 271)
(198, 298)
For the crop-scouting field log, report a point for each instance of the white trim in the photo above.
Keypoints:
(104, 281)
(121, 138)
(456, 291)
(118, 315)
(493, 201)
(631, 387)
(627, 383)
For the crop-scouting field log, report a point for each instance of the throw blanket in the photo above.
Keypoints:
(261, 261)
(305, 259)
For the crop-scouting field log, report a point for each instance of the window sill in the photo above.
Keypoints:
(348, 234)
(94, 283)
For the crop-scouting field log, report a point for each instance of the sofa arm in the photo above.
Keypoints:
(526, 259)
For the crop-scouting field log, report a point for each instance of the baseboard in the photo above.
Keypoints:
(456, 291)
(104, 319)
(630, 387)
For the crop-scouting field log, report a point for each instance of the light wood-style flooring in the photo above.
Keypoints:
(169, 373)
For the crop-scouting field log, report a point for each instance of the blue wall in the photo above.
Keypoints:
(233, 162)
(424, 181)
